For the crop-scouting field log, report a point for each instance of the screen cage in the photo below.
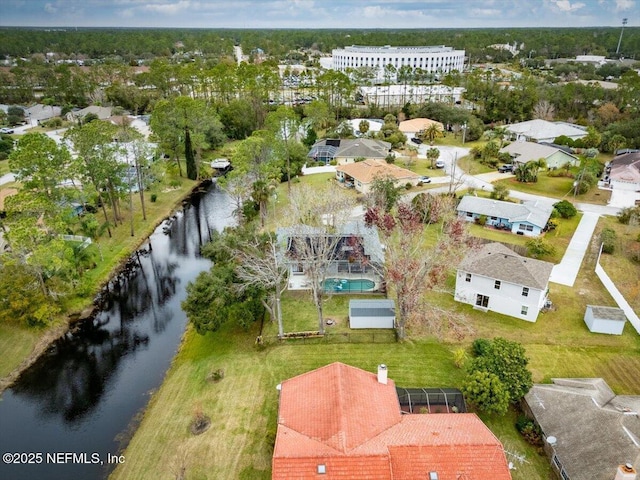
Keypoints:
(431, 400)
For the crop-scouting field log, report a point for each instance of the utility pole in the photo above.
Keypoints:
(624, 22)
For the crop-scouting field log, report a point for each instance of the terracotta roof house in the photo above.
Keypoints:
(590, 432)
(345, 151)
(496, 278)
(340, 422)
(362, 174)
(411, 127)
(545, 131)
(523, 152)
(528, 218)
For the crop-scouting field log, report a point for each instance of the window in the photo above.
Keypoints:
(524, 310)
(467, 278)
(525, 291)
(469, 214)
(528, 228)
(497, 284)
(482, 301)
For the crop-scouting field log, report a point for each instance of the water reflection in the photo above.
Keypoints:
(91, 383)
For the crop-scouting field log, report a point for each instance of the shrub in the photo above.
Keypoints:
(154, 197)
(565, 209)
(629, 216)
(486, 392)
(459, 357)
(481, 220)
(529, 430)
(409, 185)
(608, 240)
(500, 192)
(537, 247)
(481, 346)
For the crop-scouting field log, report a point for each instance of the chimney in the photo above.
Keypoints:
(626, 472)
(382, 374)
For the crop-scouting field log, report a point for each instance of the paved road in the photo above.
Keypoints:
(8, 178)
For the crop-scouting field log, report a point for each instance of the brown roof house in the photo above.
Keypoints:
(340, 422)
(590, 432)
(362, 174)
(416, 125)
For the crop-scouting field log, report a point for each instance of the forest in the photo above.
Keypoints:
(150, 43)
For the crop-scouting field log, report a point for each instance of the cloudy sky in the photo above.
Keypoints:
(319, 13)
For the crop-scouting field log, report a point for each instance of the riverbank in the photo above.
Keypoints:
(21, 347)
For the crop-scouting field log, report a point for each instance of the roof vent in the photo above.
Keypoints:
(382, 374)
(433, 475)
(552, 441)
(626, 472)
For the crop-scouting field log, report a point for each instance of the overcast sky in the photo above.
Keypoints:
(319, 13)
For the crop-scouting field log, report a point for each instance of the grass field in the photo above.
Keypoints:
(16, 343)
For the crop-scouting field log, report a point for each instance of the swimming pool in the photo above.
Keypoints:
(348, 285)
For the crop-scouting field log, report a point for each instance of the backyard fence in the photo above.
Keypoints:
(373, 336)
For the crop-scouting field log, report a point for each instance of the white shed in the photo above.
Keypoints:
(372, 313)
(604, 319)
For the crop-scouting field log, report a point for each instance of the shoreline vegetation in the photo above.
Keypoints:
(34, 342)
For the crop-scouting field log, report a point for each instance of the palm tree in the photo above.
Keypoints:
(432, 155)
(432, 132)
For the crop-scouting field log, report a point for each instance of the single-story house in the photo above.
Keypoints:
(345, 151)
(356, 253)
(605, 319)
(545, 131)
(589, 432)
(103, 113)
(41, 113)
(523, 152)
(416, 125)
(372, 313)
(361, 175)
(340, 422)
(528, 218)
(496, 278)
(623, 172)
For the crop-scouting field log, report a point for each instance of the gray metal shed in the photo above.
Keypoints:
(604, 319)
(372, 313)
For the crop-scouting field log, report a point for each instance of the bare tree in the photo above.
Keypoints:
(239, 190)
(409, 268)
(329, 205)
(262, 263)
(544, 110)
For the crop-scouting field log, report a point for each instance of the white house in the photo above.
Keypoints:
(523, 152)
(545, 131)
(609, 320)
(528, 218)
(498, 279)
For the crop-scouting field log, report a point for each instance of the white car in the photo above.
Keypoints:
(8, 131)
(439, 163)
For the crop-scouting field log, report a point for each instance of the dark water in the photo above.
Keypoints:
(82, 396)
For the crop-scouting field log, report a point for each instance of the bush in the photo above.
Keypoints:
(608, 240)
(629, 216)
(459, 357)
(481, 220)
(529, 430)
(409, 185)
(537, 247)
(565, 209)
(486, 392)
(500, 192)
(481, 346)
(154, 197)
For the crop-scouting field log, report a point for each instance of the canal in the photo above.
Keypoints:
(77, 406)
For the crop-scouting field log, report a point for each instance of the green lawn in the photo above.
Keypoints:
(16, 344)
(556, 187)
(4, 167)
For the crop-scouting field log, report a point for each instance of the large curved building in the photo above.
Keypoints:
(436, 59)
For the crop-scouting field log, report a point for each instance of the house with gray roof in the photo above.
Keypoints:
(545, 131)
(495, 278)
(523, 152)
(41, 113)
(589, 432)
(356, 254)
(345, 151)
(528, 218)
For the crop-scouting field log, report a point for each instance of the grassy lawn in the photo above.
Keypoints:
(4, 167)
(16, 343)
(557, 187)
(559, 238)
(622, 270)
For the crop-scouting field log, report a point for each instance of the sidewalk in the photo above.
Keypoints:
(566, 271)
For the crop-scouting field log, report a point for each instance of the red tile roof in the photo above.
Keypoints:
(341, 417)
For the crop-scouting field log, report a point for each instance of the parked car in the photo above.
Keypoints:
(506, 168)
(439, 164)
(425, 179)
(416, 140)
(8, 131)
